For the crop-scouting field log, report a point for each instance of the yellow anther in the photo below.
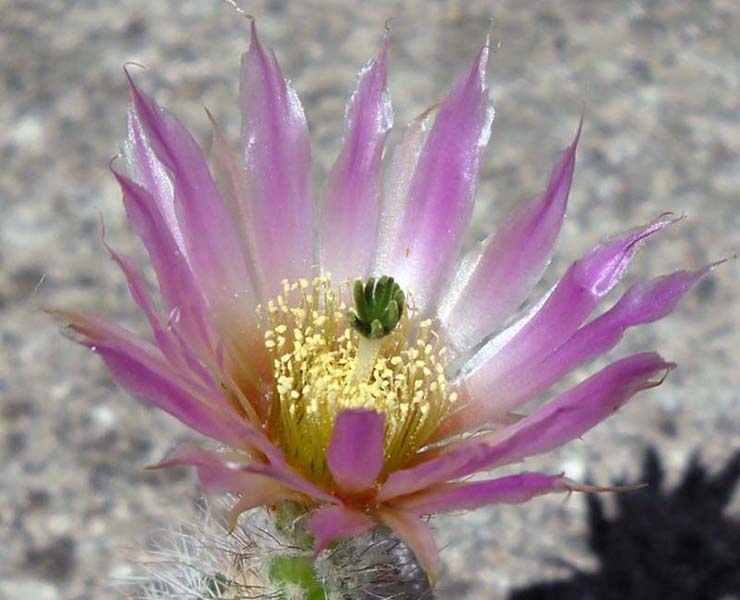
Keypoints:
(314, 355)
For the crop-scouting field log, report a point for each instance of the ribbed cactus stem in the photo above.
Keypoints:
(269, 556)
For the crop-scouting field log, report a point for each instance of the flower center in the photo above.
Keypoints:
(323, 364)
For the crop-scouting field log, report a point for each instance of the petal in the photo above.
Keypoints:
(277, 153)
(416, 534)
(222, 471)
(501, 274)
(231, 174)
(567, 417)
(513, 489)
(580, 290)
(643, 303)
(398, 176)
(253, 489)
(213, 248)
(442, 192)
(429, 473)
(227, 472)
(140, 293)
(349, 214)
(189, 311)
(355, 454)
(574, 412)
(331, 522)
(148, 171)
(180, 292)
(140, 369)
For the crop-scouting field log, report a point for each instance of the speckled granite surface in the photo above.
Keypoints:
(661, 86)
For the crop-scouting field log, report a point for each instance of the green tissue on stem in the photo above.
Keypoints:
(296, 572)
(288, 519)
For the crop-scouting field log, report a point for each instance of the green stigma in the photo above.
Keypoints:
(378, 307)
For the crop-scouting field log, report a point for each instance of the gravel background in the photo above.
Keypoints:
(660, 82)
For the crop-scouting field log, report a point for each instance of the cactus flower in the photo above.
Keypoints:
(344, 356)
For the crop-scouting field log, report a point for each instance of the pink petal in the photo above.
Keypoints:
(513, 489)
(416, 534)
(276, 152)
(500, 275)
(567, 417)
(140, 369)
(643, 303)
(227, 472)
(331, 522)
(349, 214)
(263, 491)
(580, 290)
(442, 192)
(213, 248)
(148, 384)
(139, 290)
(574, 412)
(429, 473)
(221, 472)
(355, 454)
(177, 353)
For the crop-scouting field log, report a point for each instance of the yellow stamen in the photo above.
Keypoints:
(323, 366)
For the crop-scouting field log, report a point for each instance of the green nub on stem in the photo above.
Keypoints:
(378, 307)
(296, 573)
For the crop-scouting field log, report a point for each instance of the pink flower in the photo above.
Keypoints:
(256, 350)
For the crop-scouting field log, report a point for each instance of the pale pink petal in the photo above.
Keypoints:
(214, 250)
(500, 275)
(147, 170)
(231, 174)
(196, 323)
(398, 175)
(643, 303)
(442, 192)
(355, 454)
(513, 489)
(177, 352)
(331, 522)
(196, 410)
(416, 534)
(567, 417)
(276, 151)
(349, 213)
(575, 296)
(180, 292)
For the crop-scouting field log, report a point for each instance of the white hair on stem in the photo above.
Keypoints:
(201, 560)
